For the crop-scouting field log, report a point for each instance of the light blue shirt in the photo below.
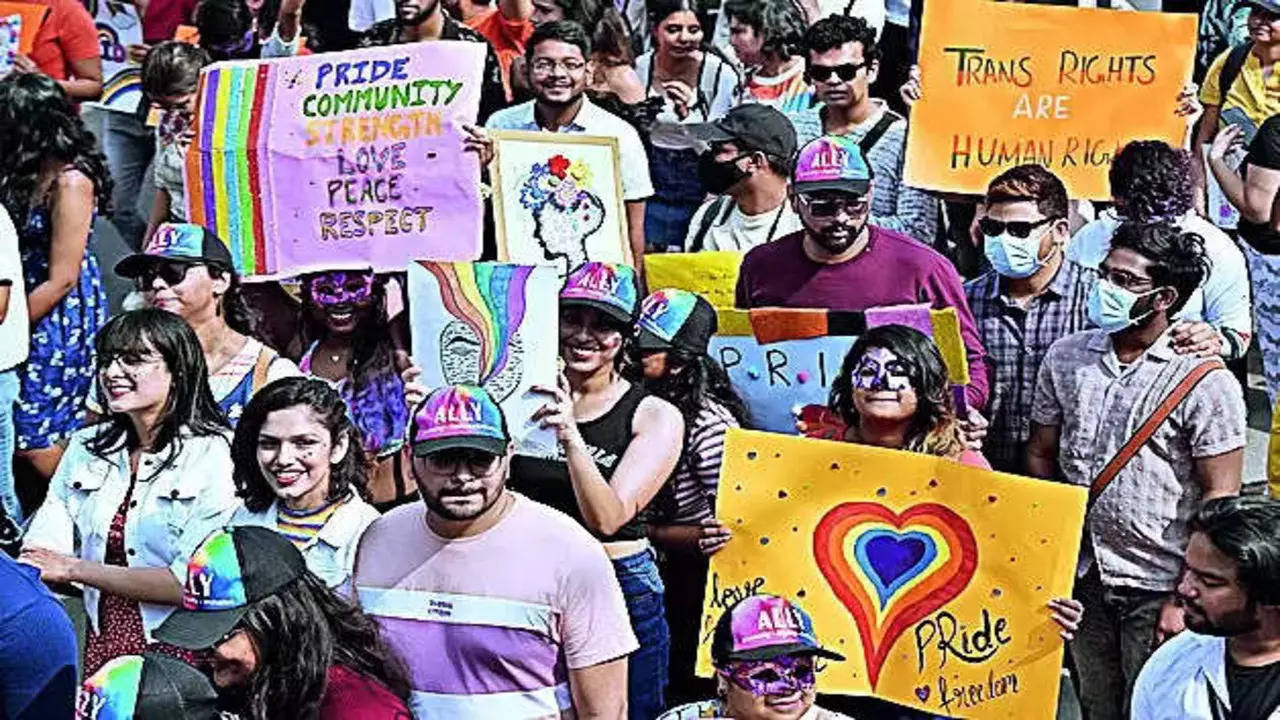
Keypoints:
(1175, 682)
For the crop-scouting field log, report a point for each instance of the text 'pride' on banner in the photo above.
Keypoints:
(1008, 84)
(351, 160)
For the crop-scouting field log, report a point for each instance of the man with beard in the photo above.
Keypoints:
(1228, 663)
(558, 62)
(500, 606)
(840, 261)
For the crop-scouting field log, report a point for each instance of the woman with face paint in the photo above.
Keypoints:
(135, 493)
(617, 446)
(347, 336)
(300, 471)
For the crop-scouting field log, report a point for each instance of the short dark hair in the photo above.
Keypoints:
(1177, 258)
(565, 31)
(172, 68)
(1247, 530)
(1153, 180)
(779, 23)
(1030, 182)
(832, 32)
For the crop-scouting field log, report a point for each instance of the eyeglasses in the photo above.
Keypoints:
(780, 676)
(544, 66)
(1125, 280)
(448, 462)
(131, 362)
(170, 272)
(1020, 229)
(846, 72)
(830, 207)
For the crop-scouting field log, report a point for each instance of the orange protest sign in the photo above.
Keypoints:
(1006, 84)
(32, 18)
(188, 34)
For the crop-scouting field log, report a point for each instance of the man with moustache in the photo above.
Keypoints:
(1227, 663)
(842, 262)
(501, 607)
(558, 62)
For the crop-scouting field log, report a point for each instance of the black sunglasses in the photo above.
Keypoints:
(170, 272)
(1020, 229)
(846, 72)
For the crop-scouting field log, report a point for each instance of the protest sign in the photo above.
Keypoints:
(712, 274)
(487, 324)
(929, 576)
(31, 19)
(118, 27)
(10, 38)
(1006, 84)
(558, 199)
(320, 161)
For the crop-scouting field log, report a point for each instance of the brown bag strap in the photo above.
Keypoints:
(1152, 424)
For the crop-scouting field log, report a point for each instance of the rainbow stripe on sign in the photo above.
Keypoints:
(490, 299)
(123, 87)
(230, 175)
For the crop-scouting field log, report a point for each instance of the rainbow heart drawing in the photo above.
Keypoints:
(891, 570)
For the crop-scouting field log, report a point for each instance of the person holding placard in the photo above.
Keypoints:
(67, 50)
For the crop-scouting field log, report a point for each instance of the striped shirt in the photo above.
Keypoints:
(301, 526)
(691, 496)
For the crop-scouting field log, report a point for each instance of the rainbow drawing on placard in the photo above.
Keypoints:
(122, 86)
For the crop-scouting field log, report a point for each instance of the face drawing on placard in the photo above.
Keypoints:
(565, 210)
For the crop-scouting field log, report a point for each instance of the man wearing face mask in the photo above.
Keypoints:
(1152, 433)
(1032, 297)
(840, 261)
(747, 167)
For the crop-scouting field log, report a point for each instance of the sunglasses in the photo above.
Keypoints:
(846, 72)
(1020, 229)
(172, 273)
(448, 462)
(830, 207)
(780, 676)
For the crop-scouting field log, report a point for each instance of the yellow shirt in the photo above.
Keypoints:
(1258, 98)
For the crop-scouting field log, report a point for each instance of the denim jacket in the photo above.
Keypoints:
(331, 554)
(170, 513)
(1184, 679)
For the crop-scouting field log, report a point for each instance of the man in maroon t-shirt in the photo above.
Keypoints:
(841, 262)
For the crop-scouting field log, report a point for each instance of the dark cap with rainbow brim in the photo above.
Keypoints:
(763, 627)
(459, 416)
(233, 568)
(184, 242)
(149, 686)
(831, 162)
(607, 287)
(672, 318)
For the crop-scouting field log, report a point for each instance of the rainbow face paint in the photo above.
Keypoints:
(342, 288)
(880, 369)
(779, 676)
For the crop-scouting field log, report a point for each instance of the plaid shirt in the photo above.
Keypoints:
(1016, 340)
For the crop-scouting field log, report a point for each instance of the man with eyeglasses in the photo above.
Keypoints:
(500, 606)
(842, 61)
(1095, 393)
(842, 261)
(558, 61)
(1031, 297)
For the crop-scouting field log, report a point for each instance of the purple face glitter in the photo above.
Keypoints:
(880, 369)
(780, 676)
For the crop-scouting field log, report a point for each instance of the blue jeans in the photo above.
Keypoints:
(129, 146)
(647, 667)
(9, 388)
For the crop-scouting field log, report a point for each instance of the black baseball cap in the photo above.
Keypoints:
(753, 127)
(184, 242)
(674, 318)
(149, 686)
(232, 569)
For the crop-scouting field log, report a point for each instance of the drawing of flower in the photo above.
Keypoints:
(558, 164)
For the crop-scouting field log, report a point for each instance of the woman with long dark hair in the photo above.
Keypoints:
(300, 470)
(52, 181)
(348, 341)
(673, 332)
(140, 489)
(618, 444)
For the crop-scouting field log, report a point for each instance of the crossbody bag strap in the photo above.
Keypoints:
(1153, 423)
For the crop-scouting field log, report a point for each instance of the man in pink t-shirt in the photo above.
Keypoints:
(500, 607)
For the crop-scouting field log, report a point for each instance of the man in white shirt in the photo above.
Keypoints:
(558, 62)
(14, 344)
(747, 168)
(1227, 663)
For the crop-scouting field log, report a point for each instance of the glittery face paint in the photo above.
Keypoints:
(880, 369)
(780, 676)
(342, 288)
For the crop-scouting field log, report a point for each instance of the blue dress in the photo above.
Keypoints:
(59, 372)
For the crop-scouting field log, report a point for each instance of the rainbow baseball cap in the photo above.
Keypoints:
(230, 570)
(674, 318)
(607, 287)
(178, 241)
(763, 627)
(459, 416)
(831, 162)
(149, 686)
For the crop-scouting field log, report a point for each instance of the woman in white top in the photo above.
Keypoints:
(300, 471)
(140, 489)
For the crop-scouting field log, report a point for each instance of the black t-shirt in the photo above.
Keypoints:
(1264, 152)
(1254, 691)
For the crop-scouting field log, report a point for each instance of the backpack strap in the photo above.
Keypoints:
(262, 365)
(1231, 70)
(877, 131)
(1153, 423)
(709, 218)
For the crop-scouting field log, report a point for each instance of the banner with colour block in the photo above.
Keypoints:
(930, 577)
(351, 160)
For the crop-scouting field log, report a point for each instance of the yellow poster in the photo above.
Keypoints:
(711, 274)
(1005, 84)
(931, 577)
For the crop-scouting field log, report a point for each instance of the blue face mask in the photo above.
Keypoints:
(1111, 306)
(1014, 257)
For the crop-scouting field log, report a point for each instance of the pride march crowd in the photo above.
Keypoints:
(310, 448)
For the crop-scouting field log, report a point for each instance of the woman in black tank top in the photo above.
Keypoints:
(617, 447)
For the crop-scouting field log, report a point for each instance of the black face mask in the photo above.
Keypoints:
(717, 177)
